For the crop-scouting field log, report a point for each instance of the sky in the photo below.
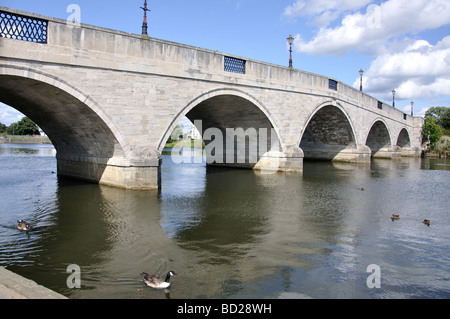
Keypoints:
(400, 44)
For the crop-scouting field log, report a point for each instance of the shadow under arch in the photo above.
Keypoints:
(329, 134)
(403, 139)
(379, 140)
(78, 128)
(226, 112)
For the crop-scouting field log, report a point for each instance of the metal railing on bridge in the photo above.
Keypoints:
(19, 27)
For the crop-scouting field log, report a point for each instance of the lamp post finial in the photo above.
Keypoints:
(144, 24)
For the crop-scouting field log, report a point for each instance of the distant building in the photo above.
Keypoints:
(194, 134)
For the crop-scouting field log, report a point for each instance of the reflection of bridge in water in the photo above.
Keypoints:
(109, 100)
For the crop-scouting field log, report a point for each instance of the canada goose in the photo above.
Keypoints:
(427, 222)
(23, 225)
(157, 282)
(393, 217)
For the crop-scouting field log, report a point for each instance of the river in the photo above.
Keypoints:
(232, 233)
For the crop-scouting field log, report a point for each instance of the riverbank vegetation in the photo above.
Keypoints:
(24, 127)
(180, 140)
(436, 131)
(24, 131)
(186, 143)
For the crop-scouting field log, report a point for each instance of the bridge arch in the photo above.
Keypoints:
(379, 139)
(222, 112)
(85, 138)
(329, 134)
(31, 92)
(403, 139)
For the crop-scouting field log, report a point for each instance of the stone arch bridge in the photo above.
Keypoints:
(109, 100)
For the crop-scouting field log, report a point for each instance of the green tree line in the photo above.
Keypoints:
(437, 124)
(24, 127)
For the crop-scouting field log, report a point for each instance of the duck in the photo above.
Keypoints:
(156, 282)
(393, 217)
(23, 225)
(427, 222)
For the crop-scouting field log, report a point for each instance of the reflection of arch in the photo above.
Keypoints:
(378, 137)
(403, 139)
(76, 124)
(217, 96)
(327, 133)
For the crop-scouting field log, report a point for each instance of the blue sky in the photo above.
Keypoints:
(400, 44)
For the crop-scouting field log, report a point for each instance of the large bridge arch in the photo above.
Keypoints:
(89, 146)
(211, 95)
(329, 135)
(59, 108)
(247, 132)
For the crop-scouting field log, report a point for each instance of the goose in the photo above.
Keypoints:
(395, 217)
(23, 225)
(158, 282)
(427, 222)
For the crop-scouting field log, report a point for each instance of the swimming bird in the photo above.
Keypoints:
(393, 217)
(23, 225)
(427, 222)
(158, 282)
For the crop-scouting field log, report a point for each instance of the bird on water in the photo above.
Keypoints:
(158, 282)
(23, 225)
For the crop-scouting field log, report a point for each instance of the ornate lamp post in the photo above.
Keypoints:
(412, 108)
(393, 98)
(361, 73)
(290, 41)
(144, 24)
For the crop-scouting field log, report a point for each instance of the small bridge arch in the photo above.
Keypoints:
(379, 139)
(329, 134)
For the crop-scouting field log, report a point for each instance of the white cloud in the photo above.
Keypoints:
(323, 12)
(8, 115)
(392, 32)
(371, 30)
(421, 70)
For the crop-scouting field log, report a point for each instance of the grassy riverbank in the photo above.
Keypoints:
(186, 144)
(24, 140)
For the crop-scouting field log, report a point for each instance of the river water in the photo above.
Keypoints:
(232, 233)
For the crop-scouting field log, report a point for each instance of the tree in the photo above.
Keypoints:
(176, 134)
(445, 119)
(437, 114)
(24, 127)
(2, 128)
(431, 131)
